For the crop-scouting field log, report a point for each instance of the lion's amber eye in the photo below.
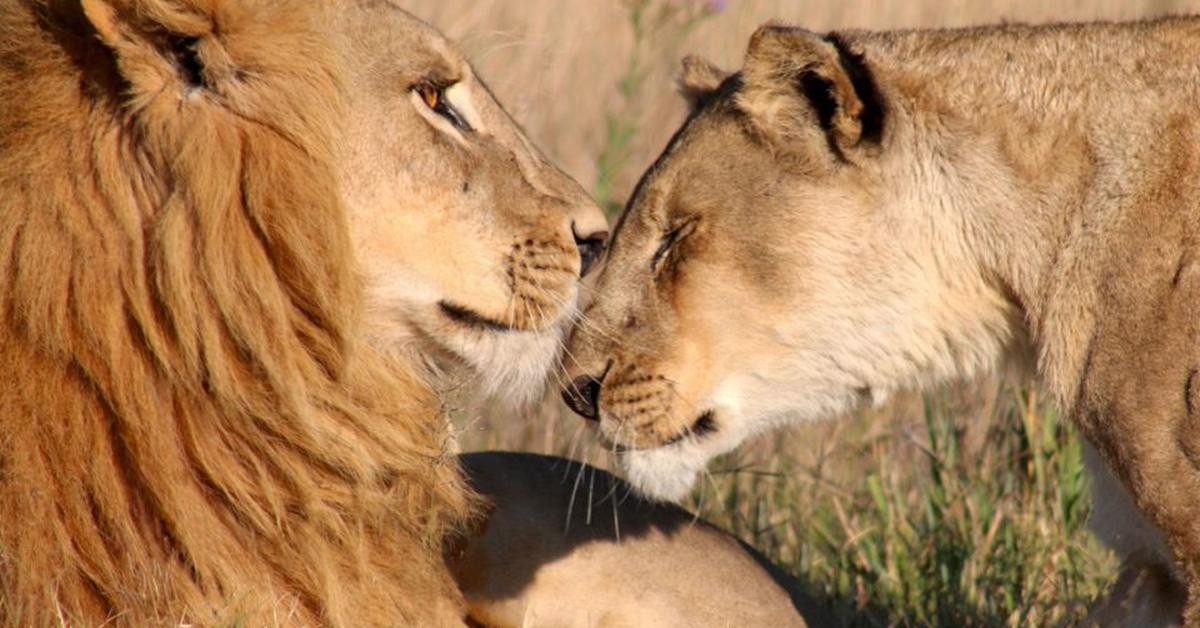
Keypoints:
(435, 98)
(431, 95)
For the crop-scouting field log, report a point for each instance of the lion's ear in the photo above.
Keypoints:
(154, 44)
(103, 18)
(836, 87)
(699, 79)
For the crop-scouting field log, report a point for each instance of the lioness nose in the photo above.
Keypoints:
(591, 247)
(583, 396)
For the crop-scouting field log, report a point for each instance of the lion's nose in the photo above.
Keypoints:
(591, 247)
(583, 396)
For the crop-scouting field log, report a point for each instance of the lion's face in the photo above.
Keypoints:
(472, 243)
(759, 274)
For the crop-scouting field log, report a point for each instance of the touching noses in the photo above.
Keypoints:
(591, 247)
(590, 229)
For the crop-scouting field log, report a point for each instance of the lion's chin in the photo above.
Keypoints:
(508, 367)
(512, 368)
(666, 473)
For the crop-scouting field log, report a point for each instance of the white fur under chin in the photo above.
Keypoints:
(666, 473)
(508, 367)
(512, 367)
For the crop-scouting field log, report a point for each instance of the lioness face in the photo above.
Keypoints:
(707, 300)
(758, 275)
(473, 244)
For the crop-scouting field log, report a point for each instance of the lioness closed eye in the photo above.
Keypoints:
(854, 213)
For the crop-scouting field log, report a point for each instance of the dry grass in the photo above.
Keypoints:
(961, 508)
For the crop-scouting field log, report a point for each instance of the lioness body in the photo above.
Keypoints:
(868, 211)
(568, 545)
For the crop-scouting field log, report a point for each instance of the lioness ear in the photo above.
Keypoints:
(154, 44)
(836, 87)
(699, 79)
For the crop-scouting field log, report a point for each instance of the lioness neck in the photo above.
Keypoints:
(1039, 138)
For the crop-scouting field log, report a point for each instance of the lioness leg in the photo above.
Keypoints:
(1139, 404)
(1166, 488)
(1147, 594)
(1144, 596)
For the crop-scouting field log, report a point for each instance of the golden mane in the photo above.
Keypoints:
(191, 427)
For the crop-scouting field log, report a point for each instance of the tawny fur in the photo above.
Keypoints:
(869, 211)
(192, 428)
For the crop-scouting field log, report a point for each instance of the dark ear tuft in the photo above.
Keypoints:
(863, 80)
(838, 87)
(699, 79)
(820, 93)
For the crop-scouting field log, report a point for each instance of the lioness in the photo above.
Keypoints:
(858, 212)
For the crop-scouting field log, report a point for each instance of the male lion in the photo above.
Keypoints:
(859, 212)
(231, 236)
(225, 227)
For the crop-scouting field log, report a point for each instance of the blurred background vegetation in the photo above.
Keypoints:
(965, 507)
